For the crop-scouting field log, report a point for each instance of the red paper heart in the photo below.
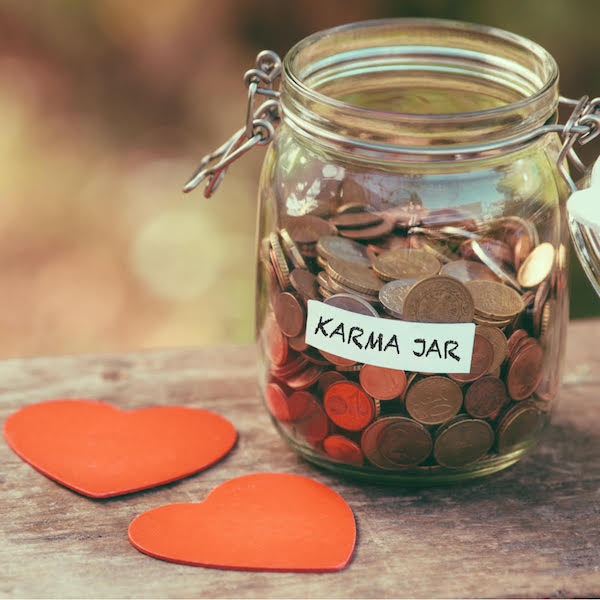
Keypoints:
(100, 450)
(259, 522)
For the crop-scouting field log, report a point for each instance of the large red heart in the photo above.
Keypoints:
(100, 450)
(259, 522)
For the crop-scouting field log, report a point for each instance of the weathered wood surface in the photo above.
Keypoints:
(533, 530)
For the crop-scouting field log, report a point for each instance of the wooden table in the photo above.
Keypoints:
(533, 530)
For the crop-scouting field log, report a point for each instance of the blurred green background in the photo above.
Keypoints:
(105, 108)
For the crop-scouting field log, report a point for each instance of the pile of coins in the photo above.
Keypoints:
(420, 266)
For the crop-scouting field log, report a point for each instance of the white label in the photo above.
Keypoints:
(422, 347)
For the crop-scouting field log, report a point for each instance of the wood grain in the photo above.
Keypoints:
(533, 530)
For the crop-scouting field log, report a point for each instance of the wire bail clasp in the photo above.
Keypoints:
(582, 126)
(258, 130)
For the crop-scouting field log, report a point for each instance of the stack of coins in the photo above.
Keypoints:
(421, 266)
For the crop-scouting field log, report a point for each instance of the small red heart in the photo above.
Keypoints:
(259, 522)
(100, 450)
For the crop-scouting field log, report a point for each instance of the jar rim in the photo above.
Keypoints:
(300, 98)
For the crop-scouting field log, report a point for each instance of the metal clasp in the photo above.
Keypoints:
(582, 126)
(258, 130)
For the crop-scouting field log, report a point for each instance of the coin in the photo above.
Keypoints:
(438, 299)
(278, 260)
(548, 313)
(305, 283)
(392, 295)
(327, 378)
(352, 303)
(409, 381)
(339, 288)
(348, 406)
(517, 426)
(313, 425)
(337, 247)
(369, 233)
(433, 400)
(516, 336)
(382, 383)
(298, 343)
(483, 355)
(538, 304)
(358, 277)
(305, 378)
(291, 249)
(467, 270)
(277, 402)
(493, 299)
(537, 266)
(292, 365)
(498, 341)
(307, 229)
(396, 443)
(525, 372)
(494, 266)
(289, 314)
(495, 250)
(463, 442)
(405, 263)
(343, 449)
(485, 397)
(355, 220)
(276, 343)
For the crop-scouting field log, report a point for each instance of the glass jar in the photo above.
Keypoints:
(411, 301)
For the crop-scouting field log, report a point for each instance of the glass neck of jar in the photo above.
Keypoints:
(354, 88)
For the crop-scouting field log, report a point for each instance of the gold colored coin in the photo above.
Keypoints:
(281, 266)
(548, 313)
(499, 344)
(292, 250)
(537, 266)
(438, 299)
(494, 300)
(463, 442)
(405, 263)
(356, 276)
(434, 400)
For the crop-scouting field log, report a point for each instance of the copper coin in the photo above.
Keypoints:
(521, 248)
(348, 406)
(409, 381)
(396, 443)
(289, 314)
(392, 295)
(516, 336)
(433, 400)
(276, 342)
(485, 397)
(314, 356)
(520, 424)
(293, 364)
(298, 343)
(369, 233)
(338, 361)
(495, 300)
(537, 266)
(355, 220)
(438, 299)
(291, 249)
(498, 341)
(307, 229)
(328, 378)
(343, 449)
(277, 402)
(483, 355)
(337, 247)
(405, 264)
(548, 313)
(305, 378)
(382, 383)
(463, 442)
(305, 283)
(525, 372)
(467, 270)
(520, 346)
(352, 304)
(349, 368)
(313, 425)
(357, 277)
